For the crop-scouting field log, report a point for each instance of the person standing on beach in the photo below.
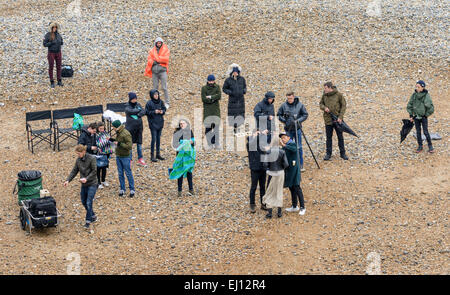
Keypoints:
(53, 41)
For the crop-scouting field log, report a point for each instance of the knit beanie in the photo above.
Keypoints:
(116, 123)
(270, 94)
(211, 78)
(421, 83)
(131, 95)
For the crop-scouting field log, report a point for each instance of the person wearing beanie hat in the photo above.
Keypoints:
(211, 96)
(134, 112)
(264, 113)
(158, 67)
(235, 87)
(420, 107)
(155, 111)
(124, 146)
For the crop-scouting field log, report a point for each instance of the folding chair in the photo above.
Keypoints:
(63, 133)
(90, 110)
(117, 108)
(38, 135)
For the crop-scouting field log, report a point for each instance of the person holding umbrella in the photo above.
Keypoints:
(333, 102)
(420, 107)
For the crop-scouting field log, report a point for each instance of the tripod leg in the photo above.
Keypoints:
(309, 148)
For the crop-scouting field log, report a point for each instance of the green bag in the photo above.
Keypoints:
(28, 185)
(77, 121)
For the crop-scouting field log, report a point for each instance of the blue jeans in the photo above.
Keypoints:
(87, 199)
(300, 148)
(139, 152)
(123, 164)
(156, 138)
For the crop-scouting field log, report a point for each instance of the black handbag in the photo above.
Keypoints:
(66, 71)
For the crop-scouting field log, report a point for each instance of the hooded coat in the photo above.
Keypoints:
(161, 57)
(235, 88)
(55, 45)
(335, 102)
(155, 121)
(264, 109)
(420, 105)
(287, 110)
(124, 142)
(134, 125)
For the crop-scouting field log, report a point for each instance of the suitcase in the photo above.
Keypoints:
(42, 207)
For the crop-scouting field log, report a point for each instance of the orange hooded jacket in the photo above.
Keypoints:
(162, 58)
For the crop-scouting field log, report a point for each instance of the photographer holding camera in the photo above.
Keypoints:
(292, 113)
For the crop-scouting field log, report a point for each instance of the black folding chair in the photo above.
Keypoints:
(90, 110)
(117, 108)
(62, 133)
(34, 137)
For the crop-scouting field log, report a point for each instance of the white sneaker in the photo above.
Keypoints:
(302, 211)
(105, 183)
(302, 169)
(292, 209)
(100, 186)
(166, 105)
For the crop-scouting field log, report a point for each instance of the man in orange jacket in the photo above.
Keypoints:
(158, 66)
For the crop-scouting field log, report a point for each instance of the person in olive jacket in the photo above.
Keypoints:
(124, 146)
(292, 174)
(420, 107)
(155, 110)
(134, 113)
(53, 41)
(86, 165)
(235, 87)
(333, 101)
(211, 96)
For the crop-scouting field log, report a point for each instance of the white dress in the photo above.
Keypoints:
(274, 193)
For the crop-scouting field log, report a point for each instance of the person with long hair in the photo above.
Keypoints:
(53, 41)
(183, 142)
(104, 151)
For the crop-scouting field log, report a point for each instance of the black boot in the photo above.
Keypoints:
(153, 159)
(269, 213)
(327, 157)
(52, 83)
(60, 83)
(158, 156)
(279, 212)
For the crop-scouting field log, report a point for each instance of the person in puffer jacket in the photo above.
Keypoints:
(134, 125)
(420, 107)
(155, 111)
(264, 113)
(88, 138)
(293, 113)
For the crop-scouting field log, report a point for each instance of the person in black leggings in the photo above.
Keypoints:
(104, 149)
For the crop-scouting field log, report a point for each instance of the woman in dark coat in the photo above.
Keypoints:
(292, 173)
(235, 86)
(155, 111)
(134, 125)
(53, 41)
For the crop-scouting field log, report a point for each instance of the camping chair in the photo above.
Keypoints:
(90, 110)
(117, 108)
(63, 133)
(34, 137)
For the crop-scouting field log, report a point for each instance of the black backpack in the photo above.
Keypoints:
(66, 71)
(41, 207)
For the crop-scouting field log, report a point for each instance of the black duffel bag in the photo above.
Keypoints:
(66, 71)
(42, 207)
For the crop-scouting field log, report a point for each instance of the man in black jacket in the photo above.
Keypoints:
(87, 166)
(264, 113)
(235, 87)
(257, 170)
(292, 113)
(88, 138)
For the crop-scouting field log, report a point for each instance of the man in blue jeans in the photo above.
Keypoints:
(292, 113)
(124, 146)
(86, 164)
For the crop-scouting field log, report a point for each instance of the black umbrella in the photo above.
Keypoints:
(407, 126)
(343, 127)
